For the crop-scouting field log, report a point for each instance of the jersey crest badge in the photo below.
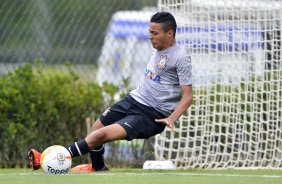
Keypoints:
(162, 62)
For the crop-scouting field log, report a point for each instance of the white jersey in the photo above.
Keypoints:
(166, 71)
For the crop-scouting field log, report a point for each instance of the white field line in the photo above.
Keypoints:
(149, 174)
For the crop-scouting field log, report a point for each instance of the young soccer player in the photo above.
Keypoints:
(162, 97)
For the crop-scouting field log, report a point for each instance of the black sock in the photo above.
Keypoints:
(78, 148)
(97, 158)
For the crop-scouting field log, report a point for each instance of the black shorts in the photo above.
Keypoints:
(137, 119)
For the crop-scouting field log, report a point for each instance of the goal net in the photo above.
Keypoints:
(235, 120)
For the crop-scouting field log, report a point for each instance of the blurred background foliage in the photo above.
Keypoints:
(57, 31)
(43, 99)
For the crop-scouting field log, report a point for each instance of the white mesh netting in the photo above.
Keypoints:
(236, 117)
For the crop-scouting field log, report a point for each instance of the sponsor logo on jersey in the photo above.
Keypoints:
(152, 76)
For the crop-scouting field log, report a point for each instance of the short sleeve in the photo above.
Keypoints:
(184, 68)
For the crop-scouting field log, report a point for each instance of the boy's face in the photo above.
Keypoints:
(159, 38)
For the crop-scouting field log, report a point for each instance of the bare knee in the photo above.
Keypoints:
(96, 138)
(105, 134)
(99, 135)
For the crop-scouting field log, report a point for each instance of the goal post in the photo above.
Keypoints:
(235, 120)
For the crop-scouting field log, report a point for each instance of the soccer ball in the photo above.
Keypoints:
(56, 160)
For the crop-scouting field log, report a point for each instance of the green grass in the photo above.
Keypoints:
(136, 176)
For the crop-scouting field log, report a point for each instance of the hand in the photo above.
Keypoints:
(168, 122)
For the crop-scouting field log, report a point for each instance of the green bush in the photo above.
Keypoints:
(39, 109)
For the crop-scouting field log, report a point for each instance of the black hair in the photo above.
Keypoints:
(166, 19)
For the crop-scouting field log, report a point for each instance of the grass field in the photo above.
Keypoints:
(136, 176)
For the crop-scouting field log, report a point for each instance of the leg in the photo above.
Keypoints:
(96, 139)
(96, 155)
(106, 134)
(101, 133)
(93, 144)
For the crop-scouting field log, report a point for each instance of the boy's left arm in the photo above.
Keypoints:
(183, 105)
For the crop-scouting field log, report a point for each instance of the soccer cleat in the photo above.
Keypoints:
(34, 159)
(87, 168)
(83, 168)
